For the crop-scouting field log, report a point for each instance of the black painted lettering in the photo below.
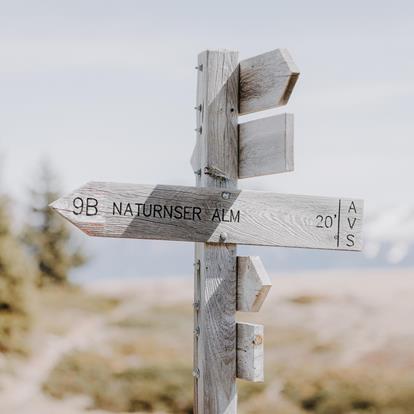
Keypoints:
(187, 213)
(216, 215)
(235, 217)
(196, 212)
(328, 222)
(351, 225)
(157, 210)
(320, 218)
(91, 206)
(128, 210)
(223, 216)
(116, 209)
(350, 238)
(325, 222)
(178, 212)
(147, 210)
(78, 205)
(352, 207)
(139, 205)
(168, 211)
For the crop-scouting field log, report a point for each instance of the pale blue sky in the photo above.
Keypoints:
(106, 90)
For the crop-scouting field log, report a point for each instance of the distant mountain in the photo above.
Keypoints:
(390, 233)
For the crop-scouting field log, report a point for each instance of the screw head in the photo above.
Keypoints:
(223, 236)
(196, 373)
(225, 195)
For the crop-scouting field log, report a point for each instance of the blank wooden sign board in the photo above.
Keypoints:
(217, 216)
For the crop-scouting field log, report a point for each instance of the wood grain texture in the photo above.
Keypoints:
(207, 214)
(266, 81)
(215, 345)
(250, 344)
(253, 283)
(195, 158)
(266, 146)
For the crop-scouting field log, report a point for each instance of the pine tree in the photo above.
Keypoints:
(16, 285)
(48, 236)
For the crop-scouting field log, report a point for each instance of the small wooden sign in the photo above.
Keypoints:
(213, 215)
(266, 146)
(250, 360)
(266, 81)
(253, 284)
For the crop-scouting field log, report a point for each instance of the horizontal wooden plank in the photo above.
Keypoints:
(253, 283)
(266, 81)
(214, 215)
(250, 361)
(266, 146)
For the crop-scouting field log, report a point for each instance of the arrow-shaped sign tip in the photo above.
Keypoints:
(253, 284)
(82, 211)
(54, 205)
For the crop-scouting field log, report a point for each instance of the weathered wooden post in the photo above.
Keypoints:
(218, 216)
(216, 264)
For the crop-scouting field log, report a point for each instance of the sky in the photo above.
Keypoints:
(105, 90)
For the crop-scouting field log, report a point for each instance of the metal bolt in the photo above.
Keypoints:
(198, 107)
(197, 172)
(199, 67)
(223, 236)
(196, 373)
(196, 305)
(199, 130)
(225, 195)
(197, 331)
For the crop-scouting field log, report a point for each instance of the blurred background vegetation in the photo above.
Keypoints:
(31, 258)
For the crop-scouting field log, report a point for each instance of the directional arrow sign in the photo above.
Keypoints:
(266, 81)
(253, 284)
(211, 215)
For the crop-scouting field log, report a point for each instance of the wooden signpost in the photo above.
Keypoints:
(213, 215)
(217, 216)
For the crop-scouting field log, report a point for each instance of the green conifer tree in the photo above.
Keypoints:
(16, 285)
(47, 234)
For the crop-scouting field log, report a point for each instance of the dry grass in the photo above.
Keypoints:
(145, 363)
(148, 369)
(352, 390)
(307, 299)
(61, 307)
(148, 388)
